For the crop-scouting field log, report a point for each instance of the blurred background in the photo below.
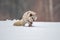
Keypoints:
(47, 10)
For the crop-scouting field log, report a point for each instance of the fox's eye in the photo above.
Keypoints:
(30, 14)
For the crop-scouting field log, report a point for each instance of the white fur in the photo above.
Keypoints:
(27, 19)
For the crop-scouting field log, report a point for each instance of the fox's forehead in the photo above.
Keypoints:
(31, 12)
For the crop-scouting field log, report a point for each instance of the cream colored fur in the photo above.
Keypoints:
(26, 18)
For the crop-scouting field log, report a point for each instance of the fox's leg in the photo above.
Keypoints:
(30, 24)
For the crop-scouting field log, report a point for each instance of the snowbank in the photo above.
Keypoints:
(39, 31)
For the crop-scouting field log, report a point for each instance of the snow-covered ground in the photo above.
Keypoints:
(39, 31)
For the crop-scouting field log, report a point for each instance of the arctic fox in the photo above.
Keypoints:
(28, 17)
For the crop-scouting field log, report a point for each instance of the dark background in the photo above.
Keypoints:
(47, 10)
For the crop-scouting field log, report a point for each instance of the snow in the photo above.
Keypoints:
(39, 31)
